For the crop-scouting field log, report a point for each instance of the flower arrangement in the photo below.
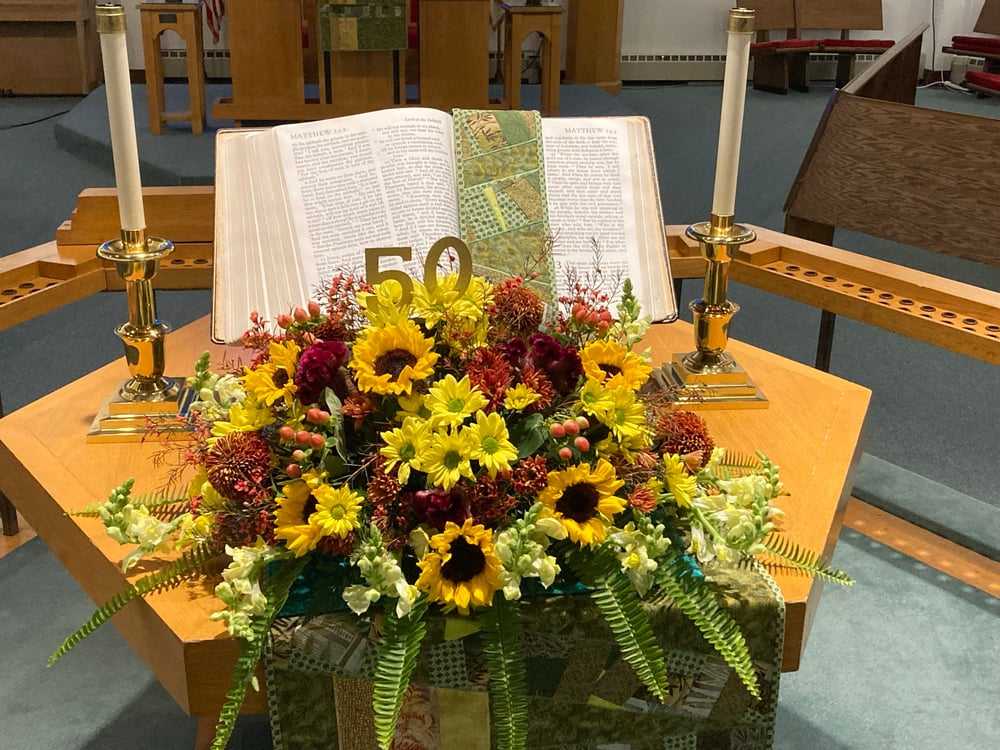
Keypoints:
(452, 450)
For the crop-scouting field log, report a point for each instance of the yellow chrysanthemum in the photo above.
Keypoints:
(452, 401)
(491, 440)
(384, 306)
(461, 568)
(520, 397)
(595, 398)
(680, 484)
(271, 381)
(446, 302)
(626, 417)
(582, 498)
(613, 365)
(447, 458)
(389, 360)
(404, 446)
(411, 405)
(337, 510)
(248, 416)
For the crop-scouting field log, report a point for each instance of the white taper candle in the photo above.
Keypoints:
(734, 89)
(118, 89)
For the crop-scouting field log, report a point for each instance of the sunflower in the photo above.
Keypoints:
(613, 365)
(582, 498)
(274, 380)
(291, 520)
(310, 509)
(461, 568)
(389, 360)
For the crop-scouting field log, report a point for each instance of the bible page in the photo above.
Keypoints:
(378, 179)
(595, 209)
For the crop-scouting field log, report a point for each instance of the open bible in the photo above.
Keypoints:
(295, 204)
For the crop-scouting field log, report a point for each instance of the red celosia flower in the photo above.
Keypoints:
(321, 366)
(438, 506)
(561, 364)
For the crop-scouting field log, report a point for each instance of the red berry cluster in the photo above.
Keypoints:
(570, 430)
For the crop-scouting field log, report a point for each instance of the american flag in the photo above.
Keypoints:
(214, 11)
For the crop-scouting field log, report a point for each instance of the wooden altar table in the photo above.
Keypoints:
(812, 429)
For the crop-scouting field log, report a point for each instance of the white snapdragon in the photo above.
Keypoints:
(216, 394)
(522, 550)
(638, 551)
(384, 577)
(240, 589)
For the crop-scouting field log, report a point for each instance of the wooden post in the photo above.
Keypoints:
(594, 43)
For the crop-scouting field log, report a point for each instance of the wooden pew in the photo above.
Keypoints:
(986, 82)
(868, 169)
(783, 64)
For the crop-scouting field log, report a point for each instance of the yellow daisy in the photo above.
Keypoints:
(626, 417)
(404, 446)
(447, 458)
(446, 302)
(461, 568)
(248, 416)
(337, 510)
(411, 405)
(450, 401)
(595, 398)
(491, 440)
(389, 360)
(613, 365)
(520, 397)
(582, 498)
(680, 484)
(273, 380)
(384, 307)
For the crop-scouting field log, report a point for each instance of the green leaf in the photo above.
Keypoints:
(695, 599)
(790, 554)
(397, 657)
(622, 609)
(168, 577)
(275, 588)
(501, 637)
(529, 436)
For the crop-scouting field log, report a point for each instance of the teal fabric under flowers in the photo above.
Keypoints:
(583, 696)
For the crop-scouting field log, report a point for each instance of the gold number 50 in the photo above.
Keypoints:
(375, 275)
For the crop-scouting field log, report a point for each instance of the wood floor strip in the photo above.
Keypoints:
(934, 551)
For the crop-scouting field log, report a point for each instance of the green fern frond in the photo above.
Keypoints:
(619, 603)
(740, 463)
(170, 576)
(693, 597)
(397, 657)
(276, 589)
(809, 563)
(501, 638)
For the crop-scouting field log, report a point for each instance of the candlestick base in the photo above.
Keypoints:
(123, 420)
(724, 385)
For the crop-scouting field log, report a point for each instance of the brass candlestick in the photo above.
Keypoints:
(709, 376)
(136, 260)
(148, 392)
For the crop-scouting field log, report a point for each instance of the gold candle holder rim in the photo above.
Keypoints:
(117, 251)
(708, 233)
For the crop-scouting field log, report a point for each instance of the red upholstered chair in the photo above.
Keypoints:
(986, 47)
(783, 63)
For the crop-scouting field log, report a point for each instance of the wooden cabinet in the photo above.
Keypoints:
(48, 47)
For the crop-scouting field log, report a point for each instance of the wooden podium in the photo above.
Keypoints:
(271, 68)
